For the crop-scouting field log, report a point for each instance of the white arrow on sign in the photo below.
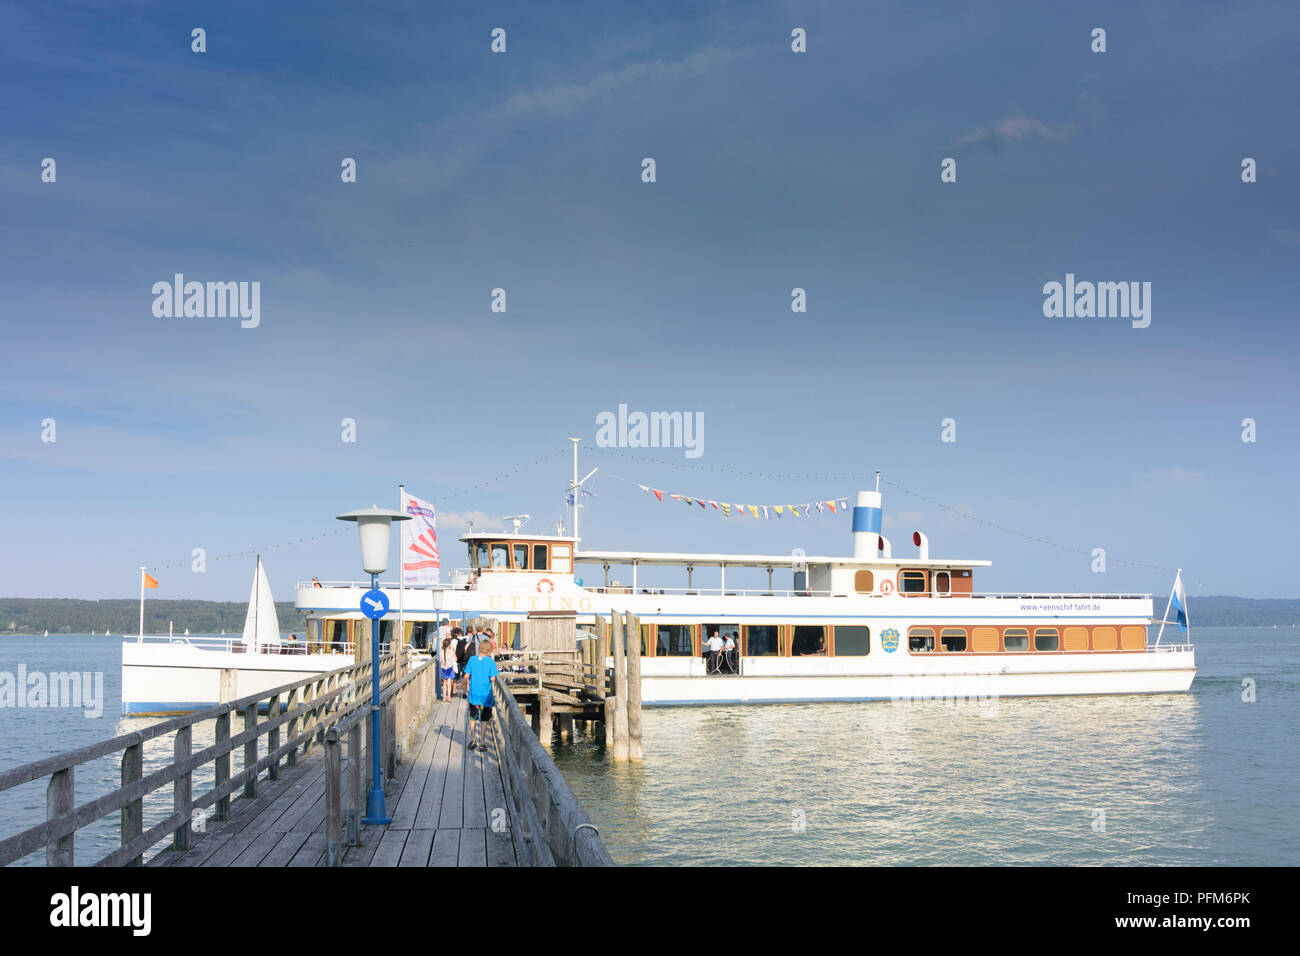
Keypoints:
(373, 603)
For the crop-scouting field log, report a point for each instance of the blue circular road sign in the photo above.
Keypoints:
(374, 604)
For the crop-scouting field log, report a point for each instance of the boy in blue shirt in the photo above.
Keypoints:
(480, 670)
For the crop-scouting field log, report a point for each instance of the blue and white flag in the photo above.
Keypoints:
(1180, 602)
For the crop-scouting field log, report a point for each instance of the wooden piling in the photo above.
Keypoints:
(291, 759)
(546, 723)
(634, 688)
(273, 738)
(250, 750)
(355, 737)
(133, 812)
(221, 768)
(183, 788)
(618, 636)
(602, 655)
(333, 798)
(60, 799)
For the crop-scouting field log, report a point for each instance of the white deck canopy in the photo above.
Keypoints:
(761, 560)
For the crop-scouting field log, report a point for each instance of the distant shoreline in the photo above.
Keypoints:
(32, 617)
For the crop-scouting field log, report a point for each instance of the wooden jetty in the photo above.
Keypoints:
(559, 685)
(300, 800)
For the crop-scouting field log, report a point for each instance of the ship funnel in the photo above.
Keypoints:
(921, 541)
(882, 543)
(866, 524)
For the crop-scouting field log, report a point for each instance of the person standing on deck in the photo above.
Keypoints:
(480, 670)
(447, 664)
(462, 655)
(729, 653)
(715, 647)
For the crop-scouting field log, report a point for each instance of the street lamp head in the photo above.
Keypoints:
(374, 524)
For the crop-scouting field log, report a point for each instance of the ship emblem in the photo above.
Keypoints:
(889, 639)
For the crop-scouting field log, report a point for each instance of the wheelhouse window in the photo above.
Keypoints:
(539, 558)
(675, 640)
(953, 639)
(852, 640)
(920, 640)
(521, 557)
(911, 582)
(1047, 639)
(562, 558)
(762, 640)
(809, 641)
(500, 556)
(479, 555)
(1015, 639)
(864, 582)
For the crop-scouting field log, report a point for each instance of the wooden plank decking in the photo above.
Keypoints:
(448, 806)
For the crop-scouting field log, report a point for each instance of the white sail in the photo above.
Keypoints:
(261, 626)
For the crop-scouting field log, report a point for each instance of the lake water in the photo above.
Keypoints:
(1197, 778)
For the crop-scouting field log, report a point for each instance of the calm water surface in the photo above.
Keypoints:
(1200, 778)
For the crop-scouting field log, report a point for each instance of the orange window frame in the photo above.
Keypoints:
(934, 639)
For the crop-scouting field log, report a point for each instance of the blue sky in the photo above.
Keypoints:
(775, 170)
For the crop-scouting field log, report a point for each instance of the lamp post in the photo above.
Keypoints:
(374, 525)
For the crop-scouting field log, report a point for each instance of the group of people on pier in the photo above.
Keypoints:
(467, 664)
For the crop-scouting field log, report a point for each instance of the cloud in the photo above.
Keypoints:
(455, 522)
(1165, 479)
(568, 98)
(1017, 127)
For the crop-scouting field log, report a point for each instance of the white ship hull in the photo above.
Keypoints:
(180, 677)
(975, 679)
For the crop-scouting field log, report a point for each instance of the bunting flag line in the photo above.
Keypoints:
(729, 508)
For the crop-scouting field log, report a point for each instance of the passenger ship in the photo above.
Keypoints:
(869, 626)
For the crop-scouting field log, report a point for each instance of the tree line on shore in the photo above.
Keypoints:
(75, 616)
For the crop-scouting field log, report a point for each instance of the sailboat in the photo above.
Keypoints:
(160, 676)
(262, 625)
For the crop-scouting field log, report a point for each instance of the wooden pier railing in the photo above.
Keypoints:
(304, 712)
(551, 827)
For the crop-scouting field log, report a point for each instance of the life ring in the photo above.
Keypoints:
(545, 586)
(886, 586)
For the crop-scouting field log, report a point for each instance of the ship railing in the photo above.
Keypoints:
(234, 644)
(764, 592)
(305, 713)
(385, 585)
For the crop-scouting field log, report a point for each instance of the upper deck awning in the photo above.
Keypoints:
(762, 560)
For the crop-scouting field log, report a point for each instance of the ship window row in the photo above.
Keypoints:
(758, 640)
(918, 582)
(520, 556)
(1020, 640)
